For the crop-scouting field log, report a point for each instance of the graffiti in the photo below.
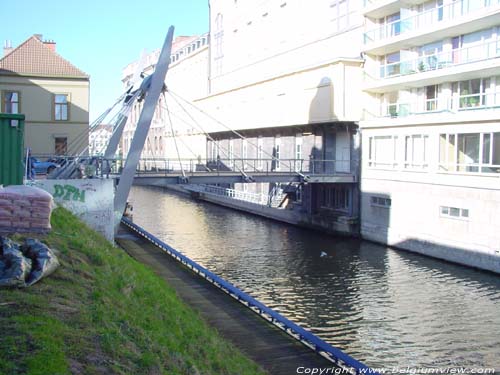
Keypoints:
(69, 192)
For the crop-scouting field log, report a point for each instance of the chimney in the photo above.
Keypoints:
(51, 44)
(7, 47)
(38, 36)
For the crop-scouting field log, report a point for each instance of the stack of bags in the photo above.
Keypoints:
(25, 209)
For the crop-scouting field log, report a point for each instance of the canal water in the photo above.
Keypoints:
(384, 307)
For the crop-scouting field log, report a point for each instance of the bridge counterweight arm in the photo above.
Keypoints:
(152, 95)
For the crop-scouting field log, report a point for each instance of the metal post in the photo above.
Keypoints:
(143, 125)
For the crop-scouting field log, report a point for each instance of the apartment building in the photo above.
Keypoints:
(99, 139)
(51, 92)
(172, 129)
(286, 76)
(431, 128)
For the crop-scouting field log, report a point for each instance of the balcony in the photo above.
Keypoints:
(380, 8)
(442, 60)
(461, 63)
(454, 105)
(442, 22)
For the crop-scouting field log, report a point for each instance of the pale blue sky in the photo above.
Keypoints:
(101, 36)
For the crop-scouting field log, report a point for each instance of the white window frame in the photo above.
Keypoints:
(372, 153)
(277, 156)
(260, 145)
(462, 213)
(410, 159)
(378, 201)
(298, 152)
(485, 155)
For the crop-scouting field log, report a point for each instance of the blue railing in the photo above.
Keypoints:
(305, 337)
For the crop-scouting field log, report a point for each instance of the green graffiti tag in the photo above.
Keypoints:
(69, 192)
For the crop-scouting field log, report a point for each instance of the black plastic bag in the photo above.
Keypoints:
(44, 262)
(16, 267)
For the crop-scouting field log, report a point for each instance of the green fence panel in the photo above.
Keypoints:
(11, 149)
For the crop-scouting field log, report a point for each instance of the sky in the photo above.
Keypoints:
(101, 37)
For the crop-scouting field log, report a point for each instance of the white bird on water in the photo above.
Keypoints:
(323, 254)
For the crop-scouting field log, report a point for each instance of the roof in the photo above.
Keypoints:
(34, 58)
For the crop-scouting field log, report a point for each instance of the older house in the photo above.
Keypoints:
(52, 93)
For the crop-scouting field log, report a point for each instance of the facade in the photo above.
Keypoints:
(99, 139)
(286, 76)
(431, 128)
(51, 92)
(171, 129)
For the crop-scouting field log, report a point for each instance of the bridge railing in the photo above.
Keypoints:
(99, 166)
(246, 196)
(191, 166)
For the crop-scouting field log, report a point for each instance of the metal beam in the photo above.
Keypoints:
(115, 138)
(177, 179)
(122, 118)
(143, 125)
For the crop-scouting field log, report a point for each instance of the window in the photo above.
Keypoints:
(416, 149)
(380, 201)
(259, 153)
(61, 109)
(429, 55)
(218, 41)
(61, 145)
(339, 10)
(10, 102)
(336, 198)
(454, 212)
(298, 152)
(431, 97)
(391, 65)
(244, 149)
(470, 152)
(277, 153)
(391, 25)
(430, 12)
(231, 153)
(382, 151)
(213, 149)
(471, 93)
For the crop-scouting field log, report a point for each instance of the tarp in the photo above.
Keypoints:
(22, 266)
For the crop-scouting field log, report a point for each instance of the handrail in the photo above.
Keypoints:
(245, 196)
(457, 103)
(104, 166)
(440, 60)
(305, 337)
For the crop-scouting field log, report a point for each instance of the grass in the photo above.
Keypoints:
(102, 312)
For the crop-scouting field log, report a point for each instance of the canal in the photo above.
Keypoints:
(384, 307)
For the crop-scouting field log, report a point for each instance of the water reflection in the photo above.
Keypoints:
(383, 307)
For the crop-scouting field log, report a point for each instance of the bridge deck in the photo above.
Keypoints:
(229, 177)
(272, 349)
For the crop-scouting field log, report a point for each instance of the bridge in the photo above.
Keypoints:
(160, 172)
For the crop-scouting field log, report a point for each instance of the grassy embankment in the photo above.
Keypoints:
(102, 312)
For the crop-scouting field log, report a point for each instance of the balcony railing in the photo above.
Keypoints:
(430, 17)
(457, 103)
(442, 60)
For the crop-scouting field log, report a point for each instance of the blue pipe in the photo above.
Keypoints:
(305, 337)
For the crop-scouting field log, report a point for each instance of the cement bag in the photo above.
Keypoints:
(16, 267)
(44, 262)
(25, 209)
